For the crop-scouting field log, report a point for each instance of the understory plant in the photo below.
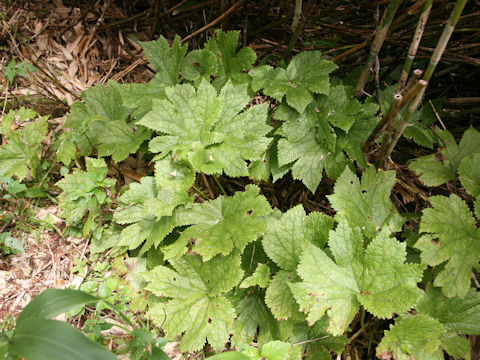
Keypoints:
(233, 271)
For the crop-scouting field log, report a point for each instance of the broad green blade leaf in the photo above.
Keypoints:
(461, 316)
(450, 236)
(377, 278)
(167, 61)
(232, 64)
(306, 72)
(469, 174)
(217, 222)
(412, 336)
(211, 131)
(366, 204)
(198, 307)
(41, 339)
(286, 237)
(52, 302)
(253, 316)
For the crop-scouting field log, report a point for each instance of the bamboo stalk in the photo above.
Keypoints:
(436, 56)
(417, 37)
(377, 43)
(390, 126)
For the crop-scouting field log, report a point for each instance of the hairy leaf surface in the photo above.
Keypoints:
(450, 236)
(225, 223)
(198, 308)
(209, 130)
(366, 204)
(306, 72)
(376, 278)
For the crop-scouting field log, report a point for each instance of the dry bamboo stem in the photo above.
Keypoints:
(390, 126)
(377, 43)
(417, 37)
(436, 56)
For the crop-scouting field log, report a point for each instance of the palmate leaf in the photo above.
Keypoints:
(450, 235)
(220, 225)
(151, 206)
(83, 191)
(366, 204)
(469, 174)
(437, 169)
(306, 73)
(22, 151)
(253, 316)
(376, 278)
(165, 59)
(209, 130)
(412, 337)
(231, 64)
(198, 309)
(460, 316)
(284, 242)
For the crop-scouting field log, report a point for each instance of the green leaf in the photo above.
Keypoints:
(366, 204)
(469, 174)
(253, 315)
(106, 102)
(458, 315)
(198, 307)
(279, 297)
(417, 337)
(216, 222)
(279, 350)
(119, 139)
(13, 244)
(23, 150)
(450, 236)
(232, 64)
(306, 72)
(440, 168)
(167, 61)
(209, 130)
(41, 339)
(199, 64)
(308, 157)
(376, 278)
(286, 236)
(79, 189)
(260, 277)
(431, 170)
(230, 355)
(52, 302)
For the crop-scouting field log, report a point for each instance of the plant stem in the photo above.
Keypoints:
(391, 118)
(377, 43)
(299, 28)
(417, 37)
(219, 185)
(436, 56)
